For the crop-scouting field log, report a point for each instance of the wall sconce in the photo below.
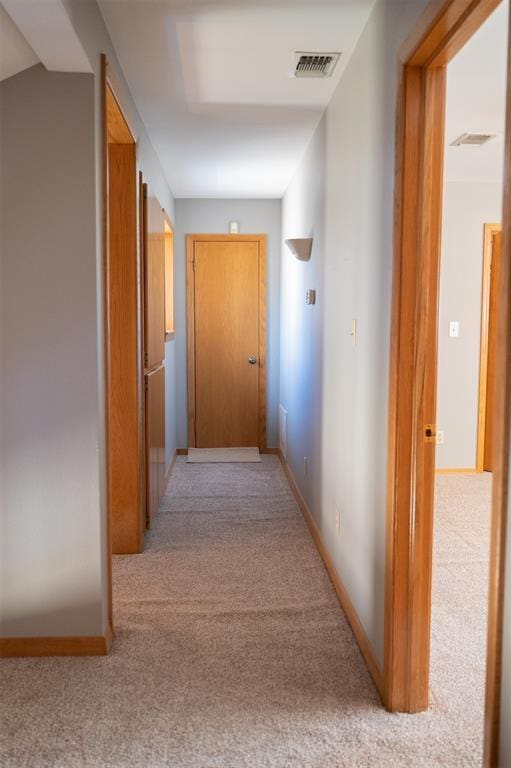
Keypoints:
(300, 247)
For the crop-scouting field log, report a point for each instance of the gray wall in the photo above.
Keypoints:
(505, 715)
(53, 461)
(336, 394)
(468, 205)
(50, 429)
(213, 216)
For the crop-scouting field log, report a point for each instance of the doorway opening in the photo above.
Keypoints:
(440, 35)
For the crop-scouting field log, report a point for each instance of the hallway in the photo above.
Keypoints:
(231, 650)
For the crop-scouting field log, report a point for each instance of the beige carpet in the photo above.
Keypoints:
(222, 455)
(232, 652)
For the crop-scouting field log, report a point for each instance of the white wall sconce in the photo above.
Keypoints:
(300, 247)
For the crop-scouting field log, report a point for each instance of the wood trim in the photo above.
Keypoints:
(489, 231)
(191, 239)
(20, 647)
(190, 337)
(501, 474)
(413, 388)
(443, 29)
(460, 471)
(340, 590)
(181, 451)
(122, 340)
(106, 327)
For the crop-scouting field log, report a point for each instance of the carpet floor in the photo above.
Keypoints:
(231, 650)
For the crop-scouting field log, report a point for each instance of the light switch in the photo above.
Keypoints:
(234, 227)
(454, 329)
(310, 297)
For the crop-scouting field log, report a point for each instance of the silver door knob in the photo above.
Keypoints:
(252, 360)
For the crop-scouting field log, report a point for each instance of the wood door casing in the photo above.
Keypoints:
(154, 299)
(226, 327)
(492, 350)
(155, 440)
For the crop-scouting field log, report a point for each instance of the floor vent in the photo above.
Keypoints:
(473, 139)
(315, 64)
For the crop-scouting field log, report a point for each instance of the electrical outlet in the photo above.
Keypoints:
(440, 437)
(305, 465)
(338, 521)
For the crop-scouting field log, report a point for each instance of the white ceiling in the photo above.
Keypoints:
(476, 101)
(15, 53)
(211, 81)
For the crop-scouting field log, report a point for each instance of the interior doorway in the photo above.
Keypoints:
(226, 320)
(441, 33)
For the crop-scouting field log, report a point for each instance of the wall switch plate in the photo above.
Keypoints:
(454, 329)
(310, 297)
(440, 437)
(305, 465)
(234, 227)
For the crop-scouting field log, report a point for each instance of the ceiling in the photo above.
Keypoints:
(15, 53)
(211, 81)
(476, 102)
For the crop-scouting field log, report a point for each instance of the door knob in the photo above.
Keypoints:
(252, 360)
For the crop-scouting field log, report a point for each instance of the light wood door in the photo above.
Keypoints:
(154, 298)
(226, 325)
(492, 351)
(155, 439)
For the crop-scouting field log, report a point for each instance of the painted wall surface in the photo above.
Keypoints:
(51, 514)
(53, 459)
(336, 391)
(468, 205)
(505, 714)
(211, 217)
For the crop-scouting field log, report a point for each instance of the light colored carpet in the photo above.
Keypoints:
(232, 652)
(222, 455)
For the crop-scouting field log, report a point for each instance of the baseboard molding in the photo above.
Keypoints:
(171, 467)
(342, 594)
(270, 452)
(21, 647)
(462, 471)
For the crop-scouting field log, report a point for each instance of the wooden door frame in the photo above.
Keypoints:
(489, 231)
(444, 28)
(190, 325)
(111, 341)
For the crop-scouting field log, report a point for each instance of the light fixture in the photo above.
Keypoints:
(300, 247)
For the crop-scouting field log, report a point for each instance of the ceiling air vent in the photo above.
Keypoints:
(473, 139)
(314, 64)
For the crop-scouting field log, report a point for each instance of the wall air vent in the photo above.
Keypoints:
(314, 64)
(473, 139)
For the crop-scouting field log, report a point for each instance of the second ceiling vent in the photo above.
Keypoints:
(314, 64)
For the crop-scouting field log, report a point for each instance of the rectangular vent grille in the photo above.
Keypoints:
(315, 64)
(473, 139)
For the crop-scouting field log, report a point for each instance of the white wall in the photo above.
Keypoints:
(505, 714)
(52, 497)
(468, 205)
(342, 194)
(213, 216)
(51, 524)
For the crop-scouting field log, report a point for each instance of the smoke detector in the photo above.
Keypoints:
(473, 139)
(314, 64)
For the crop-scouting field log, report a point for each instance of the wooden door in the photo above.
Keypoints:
(226, 326)
(492, 350)
(154, 298)
(155, 439)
